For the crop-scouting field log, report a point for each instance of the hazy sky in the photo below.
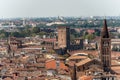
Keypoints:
(47, 8)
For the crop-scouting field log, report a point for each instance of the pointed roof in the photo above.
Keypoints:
(105, 33)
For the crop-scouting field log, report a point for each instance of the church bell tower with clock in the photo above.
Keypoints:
(105, 48)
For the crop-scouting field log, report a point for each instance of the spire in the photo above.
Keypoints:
(105, 33)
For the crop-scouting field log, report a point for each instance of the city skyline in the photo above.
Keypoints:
(52, 8)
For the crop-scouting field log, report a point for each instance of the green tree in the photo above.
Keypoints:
(36, 30)
(2, 35)
(89, 36)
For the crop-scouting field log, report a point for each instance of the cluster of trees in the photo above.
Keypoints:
(27, 31)
(3, 34)
(99, 23)
(88, 36)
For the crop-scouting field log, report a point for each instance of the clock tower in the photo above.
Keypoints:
(105, 48)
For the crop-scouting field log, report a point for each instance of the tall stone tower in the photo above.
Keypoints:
(63, 37)
(105, 48)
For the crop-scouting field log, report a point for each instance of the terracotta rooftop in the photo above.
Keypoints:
(51, 64)
(77, 57)
(92, 52)
(116, 69)
(83, 62)
(7, 78)
(86, 78)
(49, 39)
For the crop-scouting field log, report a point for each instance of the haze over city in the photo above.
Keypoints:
(48, 8)
(59, 40)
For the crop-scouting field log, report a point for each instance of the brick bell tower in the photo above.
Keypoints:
(105, 48)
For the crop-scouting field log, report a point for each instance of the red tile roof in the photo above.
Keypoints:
(51, 64)
(49, 39)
